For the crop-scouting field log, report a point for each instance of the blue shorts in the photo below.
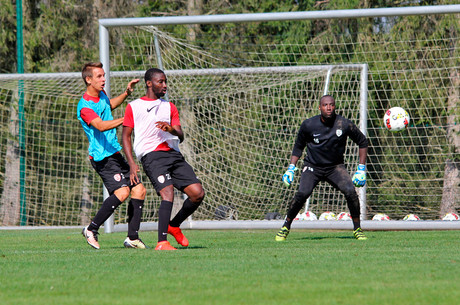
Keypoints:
(166, 168)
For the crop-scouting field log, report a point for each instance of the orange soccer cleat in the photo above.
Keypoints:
(164, 245)
(178, 235)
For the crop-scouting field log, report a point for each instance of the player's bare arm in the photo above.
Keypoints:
(362, 155)
(117, 101)
(101, 125)
(294, 160)
(128, 150)
(175, 130)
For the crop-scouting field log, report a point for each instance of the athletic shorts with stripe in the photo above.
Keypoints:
(114, 171)
(166, 168)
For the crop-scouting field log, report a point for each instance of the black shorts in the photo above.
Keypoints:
(114, 171)
(166, 168)
(336, 175)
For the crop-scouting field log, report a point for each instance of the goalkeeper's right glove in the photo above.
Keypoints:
(288, 176)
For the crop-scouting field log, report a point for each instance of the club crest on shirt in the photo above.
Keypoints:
(316, 140)
(117, 177)
(338, 132)
(161, 179)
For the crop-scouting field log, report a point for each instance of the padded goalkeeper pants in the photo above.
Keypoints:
(336, 175)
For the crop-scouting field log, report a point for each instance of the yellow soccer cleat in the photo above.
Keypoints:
(282, 234)
(359, 234)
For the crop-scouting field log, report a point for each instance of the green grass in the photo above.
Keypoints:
(232, 267)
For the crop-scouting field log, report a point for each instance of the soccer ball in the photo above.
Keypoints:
(450, 217)
(380, 217)
(327, 216)
(344, 216)
(310, 216)
(396, 119)
(411, 217)
(306, 216)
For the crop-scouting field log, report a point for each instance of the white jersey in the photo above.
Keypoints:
(142, 115)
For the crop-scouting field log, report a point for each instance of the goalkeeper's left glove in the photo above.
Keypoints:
(359, 178)
(288, 176)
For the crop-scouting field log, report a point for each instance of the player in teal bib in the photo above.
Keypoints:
(94, 112)
(102, 144)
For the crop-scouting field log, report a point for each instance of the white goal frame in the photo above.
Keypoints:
(104, 24)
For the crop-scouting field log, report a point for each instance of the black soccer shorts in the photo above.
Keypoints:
(166, 168)
(114, 171)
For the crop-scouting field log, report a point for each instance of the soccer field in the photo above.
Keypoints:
(232, 267)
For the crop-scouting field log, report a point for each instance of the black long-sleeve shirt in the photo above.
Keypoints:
(326, 142)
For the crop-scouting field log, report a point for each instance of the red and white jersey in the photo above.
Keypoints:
(142, 115)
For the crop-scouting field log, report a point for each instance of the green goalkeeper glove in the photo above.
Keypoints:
(359, 178)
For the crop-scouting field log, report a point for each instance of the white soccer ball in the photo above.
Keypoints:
(381, 217)
(310, 216)
(344, 216)
(306, 216)
(299, 217)
(396, 119)
(411, 217)
(450, 217)
(327, 216)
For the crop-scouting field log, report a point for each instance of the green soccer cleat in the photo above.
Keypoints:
(359, 234)
(282, 234)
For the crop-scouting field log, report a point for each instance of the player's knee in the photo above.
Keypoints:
(198, 197)
(138, 192)
(122, 193)
(300, 197)
(167, 193)
(349, 192)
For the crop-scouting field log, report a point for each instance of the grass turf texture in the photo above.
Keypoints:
(232, 267)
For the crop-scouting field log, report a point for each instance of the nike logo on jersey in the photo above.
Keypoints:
(148, 110)
(316, 134)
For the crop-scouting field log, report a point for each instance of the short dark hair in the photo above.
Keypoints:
(87, 70)
(151, 72)
(326, 96)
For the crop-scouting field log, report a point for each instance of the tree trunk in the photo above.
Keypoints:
(450, 193)
(194, 7)
(86, 203)
(10, 200)
(450, 187)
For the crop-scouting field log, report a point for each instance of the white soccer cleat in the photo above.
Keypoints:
(136, 243)
(91, 237)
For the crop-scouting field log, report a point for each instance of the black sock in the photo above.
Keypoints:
(356, 224)
(295, 207)
(187, 209)
(287, 223)
(108, 207)
(164, 214)
(134, 217)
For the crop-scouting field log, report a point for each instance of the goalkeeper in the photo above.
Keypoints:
(325, 137)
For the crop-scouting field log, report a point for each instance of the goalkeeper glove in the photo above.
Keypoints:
(359, 178)
(288, 176)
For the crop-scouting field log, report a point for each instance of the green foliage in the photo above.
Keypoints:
(7, 37)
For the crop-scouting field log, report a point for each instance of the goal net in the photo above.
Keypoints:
(242, 99)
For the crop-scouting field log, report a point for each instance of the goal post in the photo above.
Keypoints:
(241, 153)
